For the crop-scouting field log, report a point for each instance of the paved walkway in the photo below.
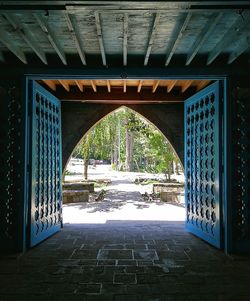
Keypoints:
(130, 258)
(137, 261)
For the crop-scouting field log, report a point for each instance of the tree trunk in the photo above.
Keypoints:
(86, 164)
(129, 150)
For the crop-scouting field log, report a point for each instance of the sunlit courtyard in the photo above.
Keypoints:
(124, 200)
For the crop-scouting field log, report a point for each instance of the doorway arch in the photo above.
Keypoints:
(78, 118)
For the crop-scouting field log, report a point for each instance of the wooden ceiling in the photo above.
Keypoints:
(201, 32)
(124, 91)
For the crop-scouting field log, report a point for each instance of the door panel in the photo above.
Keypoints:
(203, 164)
(46, 192)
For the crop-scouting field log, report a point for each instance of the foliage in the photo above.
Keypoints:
(108, 140)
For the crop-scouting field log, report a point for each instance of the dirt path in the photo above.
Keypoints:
(122, 202)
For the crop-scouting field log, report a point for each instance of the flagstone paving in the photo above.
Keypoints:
(116, 261)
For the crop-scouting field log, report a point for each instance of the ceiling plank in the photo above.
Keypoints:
(202, 84)
(109, 86)
(186, 85)
(151, 39)
(79, 85)
(155, 85)
(203, 36)
(93, 85)
(177, 38)
(51, 84)
(242, 46)
(125, 40)
(100, 37)
(8, 42)
(24, 32)
(170, 85)
(124, 86)
(139, 86)
(65, 84)
(75, 36)
(51, 37)
(230, 37)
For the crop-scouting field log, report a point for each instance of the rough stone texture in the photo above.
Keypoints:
(79, 186)
(75, 196)
(78, 118)
(174, 265)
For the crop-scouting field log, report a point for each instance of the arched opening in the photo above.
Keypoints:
(132, 168)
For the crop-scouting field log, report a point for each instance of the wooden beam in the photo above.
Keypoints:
(24, 32)
(242, 45)
(203, 36)
(186, 85)
(65, 84)
(75, 36)
(118, 96)
(100, 37)
(171, 85)
(51, 84)
(177, 38)
(80, 86)
(8, 42)
(124, 85)
(51, 37)
(230, 36)
(155, 85)
(151, 38)
(108, 86)
(125, 40)
(202, 84)
(93, 85)
(139, 86)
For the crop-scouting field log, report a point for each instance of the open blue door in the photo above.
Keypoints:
(45, 212)
(203, 168)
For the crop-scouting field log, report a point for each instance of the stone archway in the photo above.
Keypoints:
(78, 118)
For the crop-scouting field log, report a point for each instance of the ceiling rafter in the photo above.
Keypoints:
(155, 85)
(242, 46)
(202, 84)
(51, 84)
(139, 86)
(24, 32)
(170, 85)
(65, 84)
(93, 84)
(100, 37)
(8, 42)
(125, 40)
(109, 86)
(186, 85)
(124, 85)
(230, 36)
(152, 37)
(51, 36)
(79, 85)
(75, 36)
(177, 38)
(203, 36)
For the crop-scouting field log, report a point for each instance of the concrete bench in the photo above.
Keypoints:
(75, 196)
(79, 186)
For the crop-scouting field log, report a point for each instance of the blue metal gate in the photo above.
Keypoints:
(46, 193)
(203, 164)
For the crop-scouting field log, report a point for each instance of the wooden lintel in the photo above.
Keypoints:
(186, 85)
(109, 86)
(93, 85)
(139, 86)
(171, 85)
(156, 84)
(124, 86)
(51, 84)
(65, 84)
(118, 96)
(79, 85)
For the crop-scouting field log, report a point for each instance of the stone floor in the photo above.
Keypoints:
(118, 261)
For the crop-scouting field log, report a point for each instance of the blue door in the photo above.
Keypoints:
(45, 212)
(203, 168)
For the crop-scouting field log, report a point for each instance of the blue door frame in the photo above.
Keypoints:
(160, 74)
